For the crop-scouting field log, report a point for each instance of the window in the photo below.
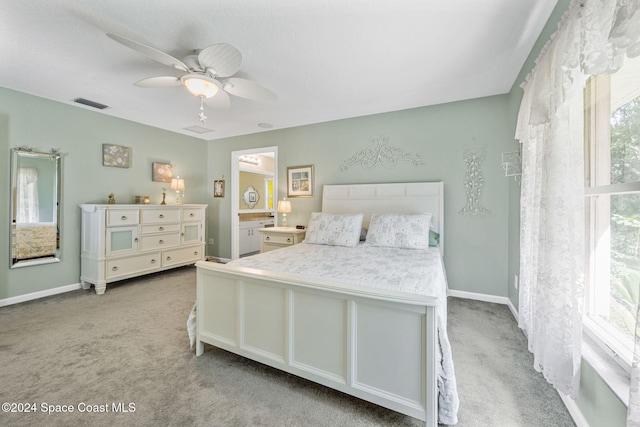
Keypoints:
(612, 147)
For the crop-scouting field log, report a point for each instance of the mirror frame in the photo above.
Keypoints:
(54, 156)
(247, 197)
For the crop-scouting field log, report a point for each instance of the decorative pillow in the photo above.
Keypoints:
(334, 229)
(434, 238)
(399, 231)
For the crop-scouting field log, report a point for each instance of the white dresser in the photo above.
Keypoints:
(123, 241)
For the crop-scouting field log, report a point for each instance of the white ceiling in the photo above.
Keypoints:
(325, 59)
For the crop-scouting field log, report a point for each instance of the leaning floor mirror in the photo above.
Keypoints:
(35, 207)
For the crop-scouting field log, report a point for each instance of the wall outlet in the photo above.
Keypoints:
(515, 281)
(211, 241)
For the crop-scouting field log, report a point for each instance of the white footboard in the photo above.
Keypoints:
(377, 345)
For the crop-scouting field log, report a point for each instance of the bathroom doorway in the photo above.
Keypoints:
(254, 189)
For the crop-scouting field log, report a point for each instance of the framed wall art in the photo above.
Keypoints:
(116, 156)
(161, 172)
(218, 188)
(300, 181)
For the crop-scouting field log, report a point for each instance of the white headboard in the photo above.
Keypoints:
(408, 198)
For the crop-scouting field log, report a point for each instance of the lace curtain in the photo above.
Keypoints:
(28, 208)
(593, 37)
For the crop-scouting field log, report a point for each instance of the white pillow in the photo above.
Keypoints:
(334, 229)
(399, 231)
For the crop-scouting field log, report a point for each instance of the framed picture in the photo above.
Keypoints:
(218, 188)
(161, 172)
(116, 156)
(300, 181)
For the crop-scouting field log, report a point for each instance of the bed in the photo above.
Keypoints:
(33, 240)
(378, 334)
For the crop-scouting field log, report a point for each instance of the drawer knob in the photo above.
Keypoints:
(161, 241)
(168, 258)
(135, 240)
(289, 240)
(161, 228)
(161, 215)
(267, 238)
(191, 215)
(114, 268)
(195, 252)
(123, 217)
(153, 261)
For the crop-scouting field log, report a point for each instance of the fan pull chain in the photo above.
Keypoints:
(201, 116)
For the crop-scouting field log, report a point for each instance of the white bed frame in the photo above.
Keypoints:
(374, 344)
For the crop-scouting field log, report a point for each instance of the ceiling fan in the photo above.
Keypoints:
(208, 74)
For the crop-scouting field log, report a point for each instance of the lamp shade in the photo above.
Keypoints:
(177, 183)
(284, 206)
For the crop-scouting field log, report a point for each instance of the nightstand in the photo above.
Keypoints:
(279, 237)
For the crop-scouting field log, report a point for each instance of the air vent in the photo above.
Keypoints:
(198, 129)
(90, 103)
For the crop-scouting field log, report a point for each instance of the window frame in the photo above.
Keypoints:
(597, 130)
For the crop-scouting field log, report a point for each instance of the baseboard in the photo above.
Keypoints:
(478, 297)
(514, 310)
(39, 294)
(574, 411)
(486, 298)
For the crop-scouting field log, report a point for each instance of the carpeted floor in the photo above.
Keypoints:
(128, 350)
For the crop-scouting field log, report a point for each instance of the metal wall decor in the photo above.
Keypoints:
(512, 165)
(473, 156)
(380, 152)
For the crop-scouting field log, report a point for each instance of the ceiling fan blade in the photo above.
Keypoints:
(162, 81)
(151, 52)
(221, 60)
(247, 89)
(220, 101)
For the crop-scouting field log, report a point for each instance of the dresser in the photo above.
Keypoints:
(279, 237)
(123, 241)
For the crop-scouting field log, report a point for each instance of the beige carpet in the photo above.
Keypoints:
(128, 349)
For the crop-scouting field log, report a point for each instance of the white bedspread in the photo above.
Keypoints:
(405, 270)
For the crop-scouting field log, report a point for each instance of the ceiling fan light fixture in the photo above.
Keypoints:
(200, 85)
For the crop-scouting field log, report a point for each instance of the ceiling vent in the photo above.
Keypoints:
(90, 103)
(198, 129)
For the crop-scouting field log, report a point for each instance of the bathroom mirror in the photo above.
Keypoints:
(35, 207)
(250, 197)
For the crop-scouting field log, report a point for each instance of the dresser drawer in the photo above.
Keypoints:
(159, 241)
(159, 228)
(155, 216)
(122, 217)
(131, 265)
(281, 239)
(182, 255)
(191, 214)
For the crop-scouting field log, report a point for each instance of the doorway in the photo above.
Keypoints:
(257, 170)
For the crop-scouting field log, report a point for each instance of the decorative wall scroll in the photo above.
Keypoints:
(380, 152)
(474, 155)
(512, 165)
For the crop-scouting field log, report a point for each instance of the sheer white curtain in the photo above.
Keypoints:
(593, 38)
(28, 208)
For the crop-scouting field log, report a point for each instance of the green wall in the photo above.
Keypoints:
(79, 134)
(476, 246)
